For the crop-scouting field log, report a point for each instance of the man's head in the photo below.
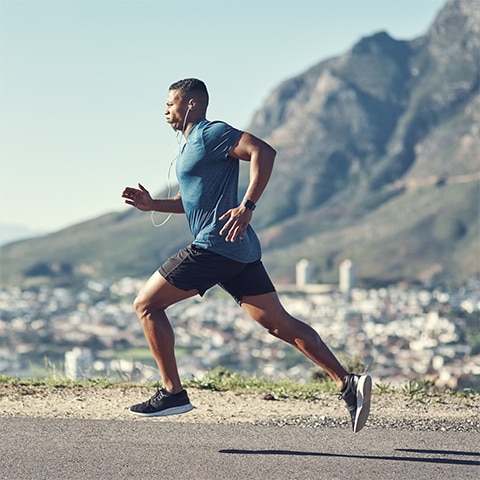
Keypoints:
(194, 89)
(187, 99)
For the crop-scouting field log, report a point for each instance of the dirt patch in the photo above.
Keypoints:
(446, 412)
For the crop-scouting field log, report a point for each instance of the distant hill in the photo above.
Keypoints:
(378, 161)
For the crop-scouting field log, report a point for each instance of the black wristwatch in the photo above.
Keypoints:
(250, 205)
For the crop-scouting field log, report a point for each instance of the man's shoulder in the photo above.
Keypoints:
(217, 126)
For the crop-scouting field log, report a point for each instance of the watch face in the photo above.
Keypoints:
(250, 205)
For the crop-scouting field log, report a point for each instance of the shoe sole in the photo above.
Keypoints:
(364, 390)
(168, 411)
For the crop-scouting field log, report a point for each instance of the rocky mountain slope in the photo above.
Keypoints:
(381, 148)
(378, 161)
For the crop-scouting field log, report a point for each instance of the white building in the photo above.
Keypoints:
(303, 273)
(78, 363)
(346, 276)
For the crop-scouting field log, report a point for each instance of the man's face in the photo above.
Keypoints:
(176, 109)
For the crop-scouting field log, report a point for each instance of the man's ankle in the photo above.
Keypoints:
(173, 390)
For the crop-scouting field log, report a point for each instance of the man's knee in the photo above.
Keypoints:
(139, 305)
(274, 332)
(143, 306)
(277, 326)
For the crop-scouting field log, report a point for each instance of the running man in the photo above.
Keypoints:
(225, 251)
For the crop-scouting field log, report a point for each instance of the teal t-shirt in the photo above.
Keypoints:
(208, 180)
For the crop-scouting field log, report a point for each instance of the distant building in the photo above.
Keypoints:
(78, 363)
(303, 273)
(346, 276)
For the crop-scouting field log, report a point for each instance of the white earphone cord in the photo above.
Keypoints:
(179, 143)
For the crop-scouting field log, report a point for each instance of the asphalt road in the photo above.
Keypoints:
(157, 449)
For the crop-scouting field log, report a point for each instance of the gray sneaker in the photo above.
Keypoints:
(356, 394)
(163, 403)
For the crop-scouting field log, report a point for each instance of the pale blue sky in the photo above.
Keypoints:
(83, 84)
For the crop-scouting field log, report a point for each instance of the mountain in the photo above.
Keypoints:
(379, 154)
(378, 161)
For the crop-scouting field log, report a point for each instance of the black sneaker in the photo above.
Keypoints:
(356, 394)
(163, 403)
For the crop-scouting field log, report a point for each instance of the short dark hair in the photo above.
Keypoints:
(192, 86)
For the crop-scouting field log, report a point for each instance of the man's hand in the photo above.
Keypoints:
(236, 226)
(138, 197)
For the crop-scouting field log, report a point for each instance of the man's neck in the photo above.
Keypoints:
(190, 125)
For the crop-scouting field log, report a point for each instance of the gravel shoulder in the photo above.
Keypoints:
(389, 410)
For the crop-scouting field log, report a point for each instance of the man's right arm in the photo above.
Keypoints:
(141, 199)
(168, 205)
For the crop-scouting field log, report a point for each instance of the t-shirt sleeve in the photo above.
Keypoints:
(219, 138)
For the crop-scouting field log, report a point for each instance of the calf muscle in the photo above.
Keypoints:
(269, 312)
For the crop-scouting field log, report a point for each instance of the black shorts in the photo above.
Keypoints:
(195, 268)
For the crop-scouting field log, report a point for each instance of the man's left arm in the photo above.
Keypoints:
(261, 157)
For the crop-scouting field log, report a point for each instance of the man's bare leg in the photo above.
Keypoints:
(355, 389)
(155, 296)
(268, 311)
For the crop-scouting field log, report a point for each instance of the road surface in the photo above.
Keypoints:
(35, 448)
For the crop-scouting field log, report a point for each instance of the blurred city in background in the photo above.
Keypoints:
(397, 333)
